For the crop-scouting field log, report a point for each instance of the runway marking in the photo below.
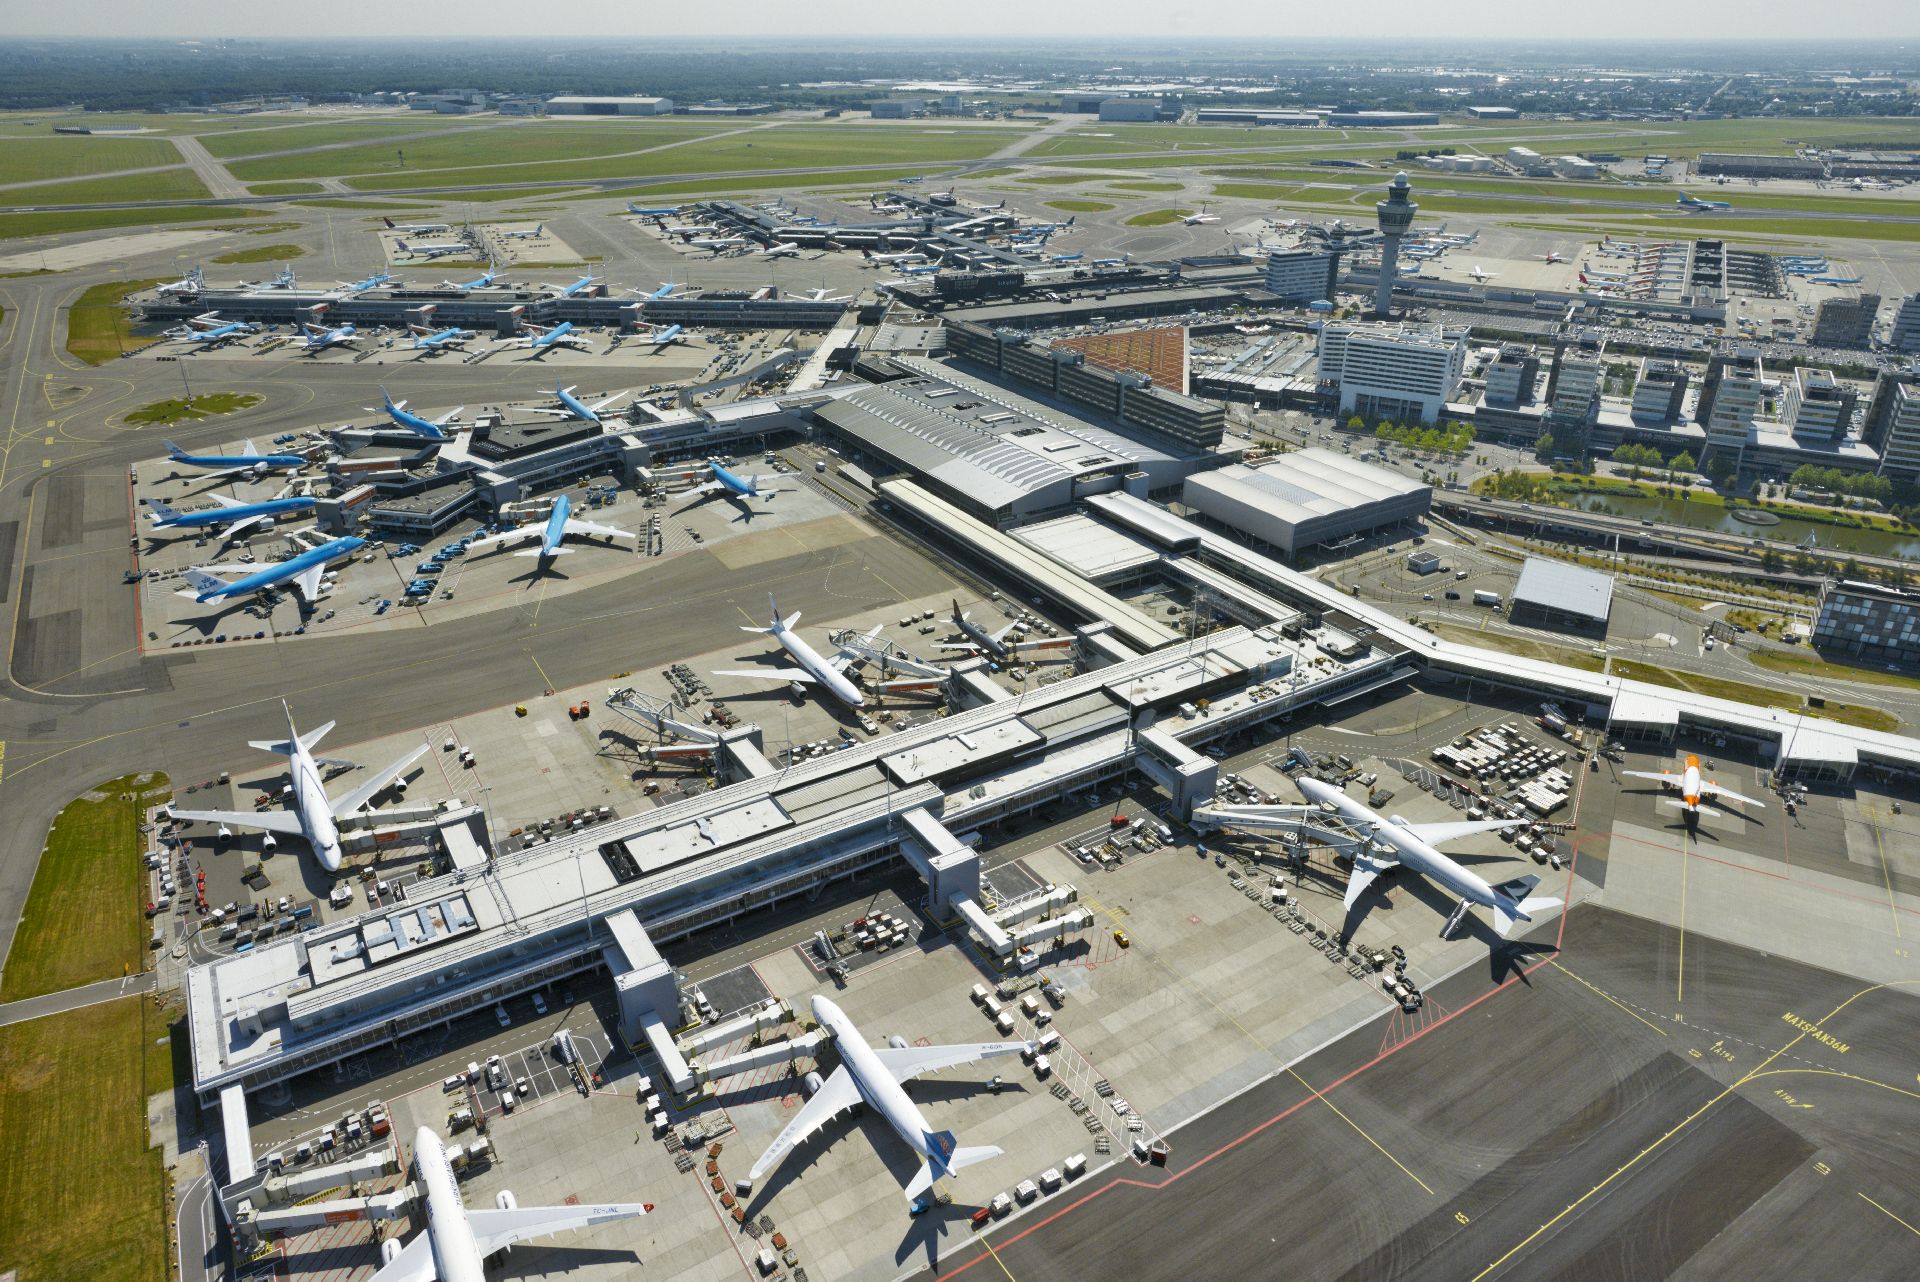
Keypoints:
(1609, 996)
(1009, 1272)
(1680, 982)
(1357, 1128)
(1677, 1127)
(546, 682)
(1870, 1202)
(1886, 877)
(1834, 1072)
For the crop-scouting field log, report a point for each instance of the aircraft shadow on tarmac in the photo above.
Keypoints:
(1504, 956)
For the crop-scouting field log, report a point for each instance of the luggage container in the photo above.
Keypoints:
(980, 995)
(1075, 1166)
(1049, 1179)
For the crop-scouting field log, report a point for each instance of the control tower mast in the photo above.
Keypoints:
(1396, 215)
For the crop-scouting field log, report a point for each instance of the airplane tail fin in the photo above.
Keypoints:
(200, 583)
(174, 451)
(1516, 906)
(161, 509)
(388, 222)
(946, 1158)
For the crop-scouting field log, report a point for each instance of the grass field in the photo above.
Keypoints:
(53, 223)
(167, 184)
(74, 156)
(204, 406)
(97, 329)
(1144, 184)
(1522, 646)
(1079, 206)
(82, 920)
(1812, 665)
(236, 144)
(1059, 180)
(710, 186)
(1159, 217)
(285, 189)
(262, 254)
(501, 144)
(87, 1198)
(1760, 696)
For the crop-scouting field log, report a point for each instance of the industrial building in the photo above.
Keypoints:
(1554, 594)
(1303, 275)
(1133, 109)
(1714, 164)
(1494, 113)
(1846, 323)
(1306, 499)
(1868, 622)
(1575, 167)
(898, 108)
(1399, 372)
(1255, 116)
(1893, 424)
(1381, 119)
(573, 105)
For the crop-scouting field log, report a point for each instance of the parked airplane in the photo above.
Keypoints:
(570, 407)
(431, 428)
(994, 644)
(568, 291)
(718, 244)
(889, 260)
(1835, 280)
(539, 340)
(823, 295)
(813, 670)
(247, 460)
(314, 816)
(1695, 203)
(726, 484)
(417, 229)
(873, 1076)
(659, 211)
(666, 290)
(209, 330)
(1692, 789)
(922, 269)
(232, 514)
(664, 335)
(552, 534)
(457, 1241)
(438, 249)
(304, 571)
(433, 340)
(192, 283)
(1066, 258)
(482, 281)
(785, 249)
(1391, 842)
(1480, 273)
(282, 279)
(535, 233)
(374, 281)
(315, 340)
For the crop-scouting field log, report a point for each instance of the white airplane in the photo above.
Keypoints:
(1195, 220)
(1692, 789)
(314, 339)
(210, 330)
(813, 669)
(571, 406)
(873, 1076)
(785, 249)
(314, 814)
(889, 260)
(417, 229)
(437, 249)
(1553, 256)
(541, 339)
(823, 295)
(718, 244)
(457, 1241)
(193, 283)
(1480, 273)
(994, 644)
(526, 233)
(551, 533)
(1392, 842)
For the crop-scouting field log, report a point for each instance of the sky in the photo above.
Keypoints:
(1890, 20)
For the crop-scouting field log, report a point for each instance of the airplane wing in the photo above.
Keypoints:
(1719, 793)
(520, 535)
(374, 783)
(767, 674)
(246, 522)
(1365, 868)
(1436, 834)
(284, 822)
(584, 528)
(413, 1264)
(1661, 776)
(835, 1096)
(907, 1064)
(308, 581)
(495, 1229)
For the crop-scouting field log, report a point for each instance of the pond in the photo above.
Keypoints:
(1702, 516)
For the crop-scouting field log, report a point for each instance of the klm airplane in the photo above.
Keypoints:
(729, 486)
(572, 407)
(316, 340)
(427, 427)
(374, 281)
(558, 526)
(481, 281)
(658, 211)
(570, 290)
(433, 341)
(227, 464)
(234, 515)
(303, 571)
(539, 341)
(1694, 202)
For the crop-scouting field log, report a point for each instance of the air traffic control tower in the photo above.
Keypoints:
(1396, 217)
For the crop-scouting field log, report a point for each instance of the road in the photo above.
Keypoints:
(75, 998)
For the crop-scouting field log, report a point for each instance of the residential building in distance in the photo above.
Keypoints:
(1400, 372)
(1868, 622)
(1846, 322)
(1818, 407)
(1302, 275)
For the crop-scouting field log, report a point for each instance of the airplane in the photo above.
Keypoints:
(922, 269)
(540, 340)
(993, 644)
(658, 211)
(233, 514)
(718, 244)
(1695, 203)
(481, 281)
(208, 329)
(1692, 789)
(1553, 256)
(192, 283)
(314, 816)
(434, 340)
(317, 340)
(374, 281)
(1480, 273)
(873, 1076)
(568, 291)
(1122, 261)
(431, 428)
(440, 249)
(1195, 220)
(684, 230)
(535, 233)
(570, 407)
(889, 260)
(813, 670)
(246, 460)
(457, 1241)
(823, 295)
(785, 249)
(666, 290)
(664, 335)
(1836, 280)
(282, 279)
(1066, 258)
(417, 229)
(1390, 842)
(304, 571)
(559, 525)
(726, 484)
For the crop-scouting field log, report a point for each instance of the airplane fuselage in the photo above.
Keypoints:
(228, 515)
(456, 1255)
(556, 532)
(810, 661)
(883, 1094)
(1408, 849)
(311, 804)
(285, 570)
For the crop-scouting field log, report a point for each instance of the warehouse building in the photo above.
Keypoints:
(898, 108)
(572, 105)
(1135, 109)
(1382, 119)
(1715, 164)
(1553, 594)
(1868, 622)
(1306, 499)
(1494, 113)
(1255, 116)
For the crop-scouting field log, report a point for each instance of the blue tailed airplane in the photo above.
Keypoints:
(374, 281)
(572, 407)
(663, 335)
(1695, 203)
(317, 340)
(540, 341)
(482, 281)
(209, 329)
(234, 515)
(431, 428)
(303, 571)
(559, 524)
(728, 485)
(657, 211)
(247, 460)
(434, 340)
(568, 291)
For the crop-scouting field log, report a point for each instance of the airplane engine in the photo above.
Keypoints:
(813, 1084)
(226, 834)
(268, 842)
(898, 1042)
(400, 787)
(390, 1250)
(504, 1200)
